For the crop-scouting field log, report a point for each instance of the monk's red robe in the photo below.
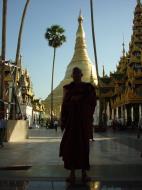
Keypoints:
(76, 120)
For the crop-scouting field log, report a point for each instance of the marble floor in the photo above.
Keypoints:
(114, 157)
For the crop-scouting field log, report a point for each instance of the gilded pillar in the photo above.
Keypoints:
(117, 113)
(122, 112)
(125, 114)
(132, 113)
(140, 111)
(108, 110)
(112, 114)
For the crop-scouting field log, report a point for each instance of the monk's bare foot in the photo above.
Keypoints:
(85, 177)
(71, 178)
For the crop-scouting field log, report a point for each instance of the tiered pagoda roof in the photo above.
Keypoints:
(126, 81)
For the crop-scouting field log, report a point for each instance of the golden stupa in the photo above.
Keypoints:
(80, 59)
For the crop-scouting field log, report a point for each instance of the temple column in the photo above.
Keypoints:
(96, 114)
(10, 94)
(140, 111)
(125, 114)
(112, 114)
(122, 112)
(108, 111)
(132, 113)
(117, 113)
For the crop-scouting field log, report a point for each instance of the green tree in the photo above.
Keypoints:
(20, 33)
(55, 37)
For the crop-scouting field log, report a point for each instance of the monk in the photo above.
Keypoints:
(79, 101)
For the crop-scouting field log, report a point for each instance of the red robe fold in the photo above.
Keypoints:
(76, 120)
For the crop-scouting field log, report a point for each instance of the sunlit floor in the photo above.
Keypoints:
(94, 185)
(61, 185)
(115, 163)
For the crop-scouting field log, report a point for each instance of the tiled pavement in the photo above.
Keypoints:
(114, 157)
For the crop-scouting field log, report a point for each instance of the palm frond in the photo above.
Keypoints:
(54, 36)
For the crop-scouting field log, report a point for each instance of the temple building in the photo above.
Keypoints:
(80, 59)
(27, 106)
(121, 91)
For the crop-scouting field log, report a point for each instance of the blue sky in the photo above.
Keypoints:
(113, 20)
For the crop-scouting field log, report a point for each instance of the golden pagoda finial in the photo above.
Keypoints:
(80, 18)
(80, 32)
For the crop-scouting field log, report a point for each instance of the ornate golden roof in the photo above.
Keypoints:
(126, 81)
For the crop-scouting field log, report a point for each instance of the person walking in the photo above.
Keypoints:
(139, 129)
(2, 130)
(55, 125)
(79, 101)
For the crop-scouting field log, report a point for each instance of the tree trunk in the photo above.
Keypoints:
(20, 33)
(3, 52)
(2, 61)
(51, 113)
(13, 109)
(96, 61)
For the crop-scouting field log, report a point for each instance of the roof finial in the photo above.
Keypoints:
(80, 18)
(80, 13)
(138, 1)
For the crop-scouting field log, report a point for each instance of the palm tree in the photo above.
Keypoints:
(3, 50)
(55, 38)
(95, 55)
(14, 96)
(20, 33)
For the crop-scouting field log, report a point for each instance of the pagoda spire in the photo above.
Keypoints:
(80, 18)
(137, 28)
(80, 31)
(80, 57)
